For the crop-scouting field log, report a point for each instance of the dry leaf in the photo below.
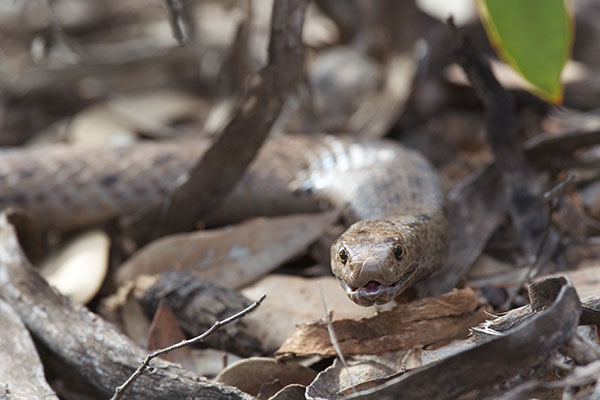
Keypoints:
(363, 372)
(419, 323)
(164, 332)
(293, 300)
(78, 269)
(232, 256)
(263, 377)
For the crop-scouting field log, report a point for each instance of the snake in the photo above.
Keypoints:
(390, 197)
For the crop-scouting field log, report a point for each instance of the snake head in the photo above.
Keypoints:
(376, 260)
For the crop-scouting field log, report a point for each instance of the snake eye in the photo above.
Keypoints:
(343, 255)
(398, 252)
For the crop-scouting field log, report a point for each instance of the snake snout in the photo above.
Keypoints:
(370, 267)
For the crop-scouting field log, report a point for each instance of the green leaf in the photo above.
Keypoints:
(534, 36)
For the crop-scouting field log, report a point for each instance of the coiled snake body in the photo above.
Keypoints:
(390, 195)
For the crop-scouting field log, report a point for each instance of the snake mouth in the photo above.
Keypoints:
(372, 287)
(373, 292)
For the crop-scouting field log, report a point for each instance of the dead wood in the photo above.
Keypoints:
(497, 359)
(21, 372)
(197, 305)
(200, 338)
(220, 168)
(91, 346)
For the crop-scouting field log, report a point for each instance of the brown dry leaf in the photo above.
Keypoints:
(78, 269)
(293, 300)
(419, 323)
(232, 256)
(364, 372)
(164, 332)
(263, 377)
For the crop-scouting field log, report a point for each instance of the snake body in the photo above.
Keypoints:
(390, 196)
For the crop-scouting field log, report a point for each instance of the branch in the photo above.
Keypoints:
(220, 168)
(121, 389)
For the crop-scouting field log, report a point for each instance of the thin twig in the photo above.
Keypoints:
(121, 389)
(175, 9)
(332, 336)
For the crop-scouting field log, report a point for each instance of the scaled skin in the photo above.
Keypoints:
(372, 274)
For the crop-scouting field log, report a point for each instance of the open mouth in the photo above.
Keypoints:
(372, 287)
(372, 292)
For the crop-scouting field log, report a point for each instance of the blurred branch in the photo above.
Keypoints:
(219, 169)
(175, 9)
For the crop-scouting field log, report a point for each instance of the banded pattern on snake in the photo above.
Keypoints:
(390, 195)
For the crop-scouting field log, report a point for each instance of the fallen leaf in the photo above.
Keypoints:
(364, 372)
(263, 377)
(293, 300)
(164, 332)
(232, 256)
(78, 269)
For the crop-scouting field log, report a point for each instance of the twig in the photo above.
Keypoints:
(121, 389)
(332, 336)
(175, 9)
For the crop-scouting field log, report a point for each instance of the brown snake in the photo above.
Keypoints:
(393, 193)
